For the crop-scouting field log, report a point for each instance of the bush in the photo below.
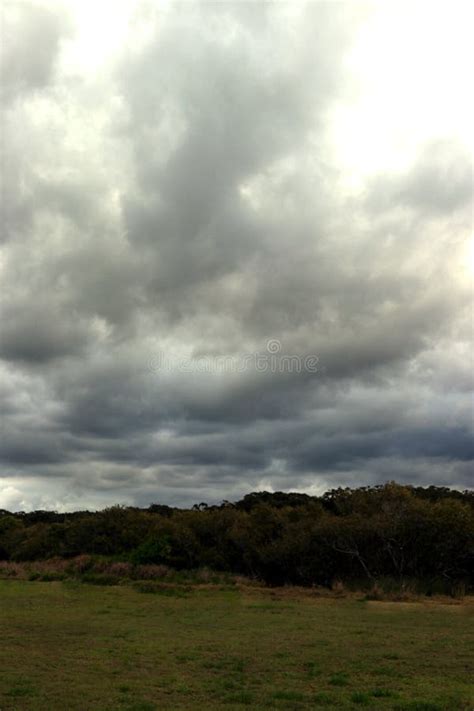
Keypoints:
(393, 541)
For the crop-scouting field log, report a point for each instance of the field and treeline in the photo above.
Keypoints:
(358, 598)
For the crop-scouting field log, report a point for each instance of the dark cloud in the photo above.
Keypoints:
(183, 201)
(35, 332)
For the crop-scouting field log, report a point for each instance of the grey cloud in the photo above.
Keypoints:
(39, 332)
(200, 212)
(440, 181)
(31, 35)
(240, 106)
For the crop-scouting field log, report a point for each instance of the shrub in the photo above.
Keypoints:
(153, 550)
(9, 569)
(80, 564)
(150, 572)
(382, 693)
(358, 697)
(339, 679)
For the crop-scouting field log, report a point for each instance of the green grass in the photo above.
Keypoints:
(77, 647)
(358, 697)
(339, 679)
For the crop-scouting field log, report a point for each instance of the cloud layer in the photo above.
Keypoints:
(183, 192)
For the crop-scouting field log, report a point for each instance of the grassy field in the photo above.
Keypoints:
(67, 645)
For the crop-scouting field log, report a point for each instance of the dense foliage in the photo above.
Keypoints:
(364, 534)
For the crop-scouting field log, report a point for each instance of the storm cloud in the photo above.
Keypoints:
(185, 183)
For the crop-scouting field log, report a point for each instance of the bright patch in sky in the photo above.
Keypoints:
(409, 86)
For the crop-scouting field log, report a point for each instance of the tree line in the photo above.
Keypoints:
(357, 536)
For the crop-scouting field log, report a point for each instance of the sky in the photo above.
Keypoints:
(236, 249)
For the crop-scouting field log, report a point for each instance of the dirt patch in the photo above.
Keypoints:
(465, 605)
